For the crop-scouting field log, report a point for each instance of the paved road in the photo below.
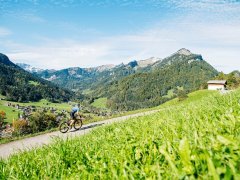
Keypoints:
(26, 144)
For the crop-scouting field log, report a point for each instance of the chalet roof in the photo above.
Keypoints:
(217, 82)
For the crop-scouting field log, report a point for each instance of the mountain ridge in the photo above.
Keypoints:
(21, 86)
(97, 78)
(158, 83)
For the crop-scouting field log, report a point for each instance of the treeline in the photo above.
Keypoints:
(144, 90)
(233, 79)
(21, 86)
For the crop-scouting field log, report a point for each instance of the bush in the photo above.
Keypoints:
(2, 117)
(41, 121)
(20, 127)
(182, 95)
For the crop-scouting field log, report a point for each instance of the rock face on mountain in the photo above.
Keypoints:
(101, 68)
(29, 68)
(148, 62)
(19, 85)
(184, 51)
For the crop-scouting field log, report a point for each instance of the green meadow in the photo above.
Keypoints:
(100, 103)
(199, 138)
(12, 113)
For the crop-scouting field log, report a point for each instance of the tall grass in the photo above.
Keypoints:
(199, 139)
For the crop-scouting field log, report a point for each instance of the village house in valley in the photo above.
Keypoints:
(217, 84)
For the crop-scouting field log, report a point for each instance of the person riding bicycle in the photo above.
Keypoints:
(75, 110)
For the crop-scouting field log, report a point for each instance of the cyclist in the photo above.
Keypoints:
(75, 110)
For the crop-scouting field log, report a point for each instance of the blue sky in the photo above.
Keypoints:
(67, 33)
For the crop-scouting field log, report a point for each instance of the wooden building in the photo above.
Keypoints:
(217, 85)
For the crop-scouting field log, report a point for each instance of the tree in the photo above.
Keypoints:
(182, 95)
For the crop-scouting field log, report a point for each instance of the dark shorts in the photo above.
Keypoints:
(72, 114)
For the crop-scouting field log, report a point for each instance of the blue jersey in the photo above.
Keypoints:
(75, 109)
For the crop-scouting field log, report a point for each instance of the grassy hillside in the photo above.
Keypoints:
(192, 98)
(46, 103)
(196, 138)
(100, 103)
(11, 113)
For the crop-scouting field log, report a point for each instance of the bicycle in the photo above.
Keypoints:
(75, 123)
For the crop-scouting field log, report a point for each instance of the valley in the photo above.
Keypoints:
(119, 89)
(169, 94)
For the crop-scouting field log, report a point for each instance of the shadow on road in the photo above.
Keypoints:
(88, 127)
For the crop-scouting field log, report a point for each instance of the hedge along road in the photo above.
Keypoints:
(33, 142)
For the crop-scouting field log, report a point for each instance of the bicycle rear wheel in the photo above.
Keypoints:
(77, 124)
(64, 127)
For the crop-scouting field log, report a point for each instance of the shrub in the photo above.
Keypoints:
(20, 127)
(2, 117)
(41, 121)
(182, 95)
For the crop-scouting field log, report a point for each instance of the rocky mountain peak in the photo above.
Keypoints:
(105, 67)
(147, 62)
(184, 51)
(29, 68)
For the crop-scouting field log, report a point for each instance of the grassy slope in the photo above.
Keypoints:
(199, 139)
(46, 103)
(11, 113)
(192, 98)
(100, 103)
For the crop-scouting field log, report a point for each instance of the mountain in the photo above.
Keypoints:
(4, 60)
(179, 55)
(139, 83)
(19, 85)
(101, 68)
(182, 70)
(29, 68)
(77, 78)
(148, 62)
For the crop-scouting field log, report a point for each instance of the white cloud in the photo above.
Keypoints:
(215, 35)
(4, 32)
(61, 54)
(219, 45)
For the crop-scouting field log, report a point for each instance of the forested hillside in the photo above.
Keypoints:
(89, 78)
(183, 70)
(19, 85)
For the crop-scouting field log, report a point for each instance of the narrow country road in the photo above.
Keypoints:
(28, 143)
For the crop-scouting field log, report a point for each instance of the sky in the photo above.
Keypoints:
(57, 34)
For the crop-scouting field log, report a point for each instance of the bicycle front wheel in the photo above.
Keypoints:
(64, 127)
(77, 124)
